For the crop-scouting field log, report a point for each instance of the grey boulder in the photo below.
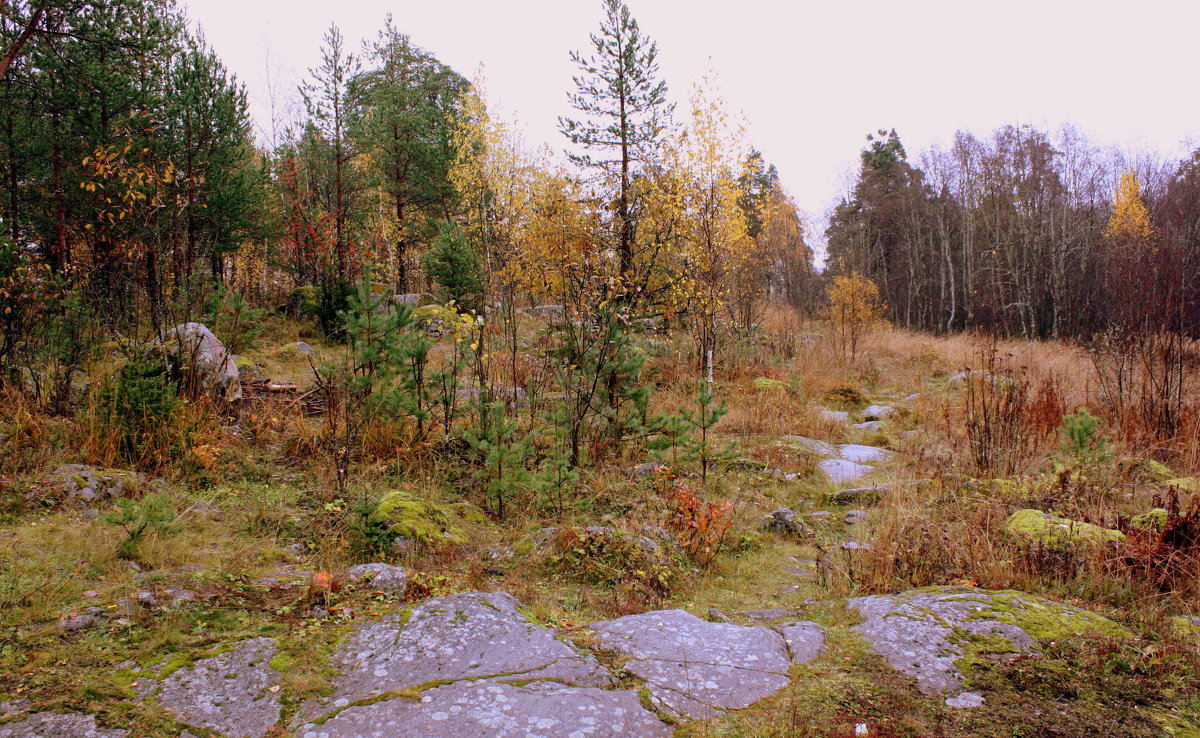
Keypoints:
(194, 347)
(383, 577)
(698, 669)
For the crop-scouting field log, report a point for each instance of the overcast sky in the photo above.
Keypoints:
(813, 78)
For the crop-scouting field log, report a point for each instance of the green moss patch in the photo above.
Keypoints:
(1058, 533)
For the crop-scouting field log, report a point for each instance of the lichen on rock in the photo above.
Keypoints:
(938, 635)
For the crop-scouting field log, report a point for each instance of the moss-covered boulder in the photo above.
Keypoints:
(1183, 484)
(767, 385)
(1058, 533)
(1155, 519)
(426, 522)
(1147, 469)
(939, 635)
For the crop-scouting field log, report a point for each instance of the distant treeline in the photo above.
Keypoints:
(1021, 233)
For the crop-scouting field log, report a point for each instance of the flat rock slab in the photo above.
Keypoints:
(841, 471)
(229, 693)
(469, 636)
(58, 725)
(812, 444)
(805, 640)
(697, 669)
(864, 454)
(471, 709)
(835, 416)
(924, 632)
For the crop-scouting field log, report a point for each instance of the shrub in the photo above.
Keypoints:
(132, 414)
(152, 514)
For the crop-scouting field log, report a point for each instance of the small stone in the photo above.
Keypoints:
(819, 514)
(383, 577)
(876, 412)
(78, 622)
(181, 595)
(648, 469)
(805, 640)
(853, 517)
(856, 546)
(318, 613)
(717, 616)
(835, 416)
(784, 521)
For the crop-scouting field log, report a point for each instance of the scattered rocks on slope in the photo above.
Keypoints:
(476, 637)
(926, 633)
(697, 669)
(58, 725)
(383, 577)
(1055, 532)
(229, 693)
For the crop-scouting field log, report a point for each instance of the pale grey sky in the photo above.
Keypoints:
(812, 78)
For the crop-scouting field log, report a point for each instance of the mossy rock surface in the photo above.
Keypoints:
(1147, 469)
(940, 635)
(1058, 533)
(428, 522)
(1184, 484)
(1155, 519)
(764, 384)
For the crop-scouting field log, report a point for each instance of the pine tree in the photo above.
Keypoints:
(624, 111)
(405, 111)
(326, 98)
